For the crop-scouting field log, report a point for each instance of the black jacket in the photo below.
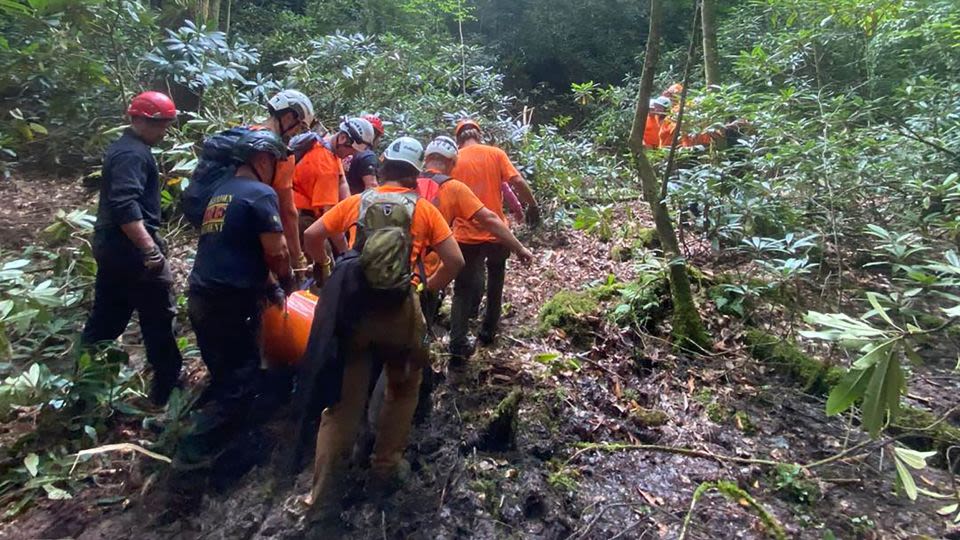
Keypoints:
(129, 191)
(321, 371)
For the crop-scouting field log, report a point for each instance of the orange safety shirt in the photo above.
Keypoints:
(316, 179)
(482, 168)
(428, 228)
(454, 200)
(651, 132)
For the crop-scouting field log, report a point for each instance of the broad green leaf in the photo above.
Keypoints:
(912, 354)
(848, 390)
(913, 458)
(13, 265)
(31, 462)
(875, 398)
(872, 297)
(546, 358)
(873, 355)
(906, 480)
(952, 312)
(56, 494)
(6, 306)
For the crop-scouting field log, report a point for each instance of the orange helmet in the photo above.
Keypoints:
(463, 123)
(674, 90)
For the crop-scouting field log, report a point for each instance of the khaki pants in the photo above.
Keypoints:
(397, 333)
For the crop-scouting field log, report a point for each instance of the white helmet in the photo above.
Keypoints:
(405, 149)
(444, 146)
(297, 101)
(661, 102)
(360, 131)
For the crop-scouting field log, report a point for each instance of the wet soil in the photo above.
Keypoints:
(551, 486)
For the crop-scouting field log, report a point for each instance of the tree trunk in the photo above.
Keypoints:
(711, 59)
(213, 15)
(687, 327)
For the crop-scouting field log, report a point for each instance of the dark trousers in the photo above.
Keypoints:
(227, 328)
(468, 290)
(122, 286)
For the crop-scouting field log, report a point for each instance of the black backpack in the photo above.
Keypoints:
(216, 166)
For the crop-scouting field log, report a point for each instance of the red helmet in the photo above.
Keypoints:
(153, 105)
(465, 123)
(376, 122)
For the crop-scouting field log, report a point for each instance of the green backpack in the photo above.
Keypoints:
(384, 238)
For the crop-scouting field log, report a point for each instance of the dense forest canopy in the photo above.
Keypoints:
(795, 234)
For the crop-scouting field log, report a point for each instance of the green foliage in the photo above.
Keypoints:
(56, 95)
(791, 482)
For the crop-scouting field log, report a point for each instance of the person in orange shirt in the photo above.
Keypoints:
(655, 117)
(291, 113)
(483, 169)
(319, 182)
(394, 332)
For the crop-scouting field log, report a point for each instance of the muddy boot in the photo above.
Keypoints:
(459, 354)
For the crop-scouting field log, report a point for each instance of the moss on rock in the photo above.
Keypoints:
(570, 312)
(645, 238)
(648, 418)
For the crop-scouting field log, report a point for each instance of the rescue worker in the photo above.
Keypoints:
(483, 168)
(132, 270)
(667, 127)
(319, 182)
(394, 332)
(241, 246)
(655, 116)
(291, 113)
(362, 167)
(455, 201)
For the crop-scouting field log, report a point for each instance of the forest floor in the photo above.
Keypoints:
(721, 416)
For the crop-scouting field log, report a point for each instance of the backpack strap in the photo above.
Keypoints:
(438, 178)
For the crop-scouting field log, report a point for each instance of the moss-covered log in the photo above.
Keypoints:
(818, 377)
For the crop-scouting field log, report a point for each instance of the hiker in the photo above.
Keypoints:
(394, 227)
(362, 166)
(456, 202)
(655, 116)
(291, 113)
(241, 248)
(483, 169)
(132, 269)
(667, 126)
(319, 182)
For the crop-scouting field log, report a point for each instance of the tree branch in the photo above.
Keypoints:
(683, 100)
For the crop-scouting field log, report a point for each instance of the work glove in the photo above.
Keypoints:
(153, 258)
(533, 215)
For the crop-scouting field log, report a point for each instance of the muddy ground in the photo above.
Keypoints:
(723, 405)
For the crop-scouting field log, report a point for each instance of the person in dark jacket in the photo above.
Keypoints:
(241, 247)
(132, 270)
(363, 166)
